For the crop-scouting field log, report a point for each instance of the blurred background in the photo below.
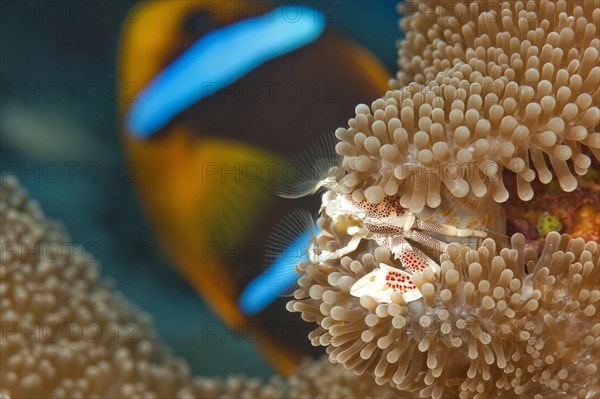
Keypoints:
(59, 133)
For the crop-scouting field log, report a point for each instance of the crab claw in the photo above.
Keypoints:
(382, 282)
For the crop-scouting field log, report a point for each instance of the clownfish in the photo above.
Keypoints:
(218, 102)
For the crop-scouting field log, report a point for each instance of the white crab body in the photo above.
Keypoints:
(394, 228)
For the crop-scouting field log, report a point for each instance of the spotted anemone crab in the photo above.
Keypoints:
(406, 235)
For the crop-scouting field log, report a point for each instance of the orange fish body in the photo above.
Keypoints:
(205, 179)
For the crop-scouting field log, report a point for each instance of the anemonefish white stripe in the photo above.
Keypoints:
(220, 58)
(278, 278)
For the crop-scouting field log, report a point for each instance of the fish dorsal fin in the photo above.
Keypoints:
(311, 169)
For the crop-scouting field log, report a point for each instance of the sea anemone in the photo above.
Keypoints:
(486, 89)
(494, 86)
(65, 334)
(497, 322)
(438, 33)
(319, 379)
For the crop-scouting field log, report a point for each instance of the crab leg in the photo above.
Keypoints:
(328, 256)
(426, 240)
(412, 259)
(448, 230)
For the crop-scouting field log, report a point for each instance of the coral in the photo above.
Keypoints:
(495, 323)
(587, 223)
(547, 223)
(576, 213)
(495, 89)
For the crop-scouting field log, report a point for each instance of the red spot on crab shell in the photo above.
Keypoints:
(413, 260)
(398, 282)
